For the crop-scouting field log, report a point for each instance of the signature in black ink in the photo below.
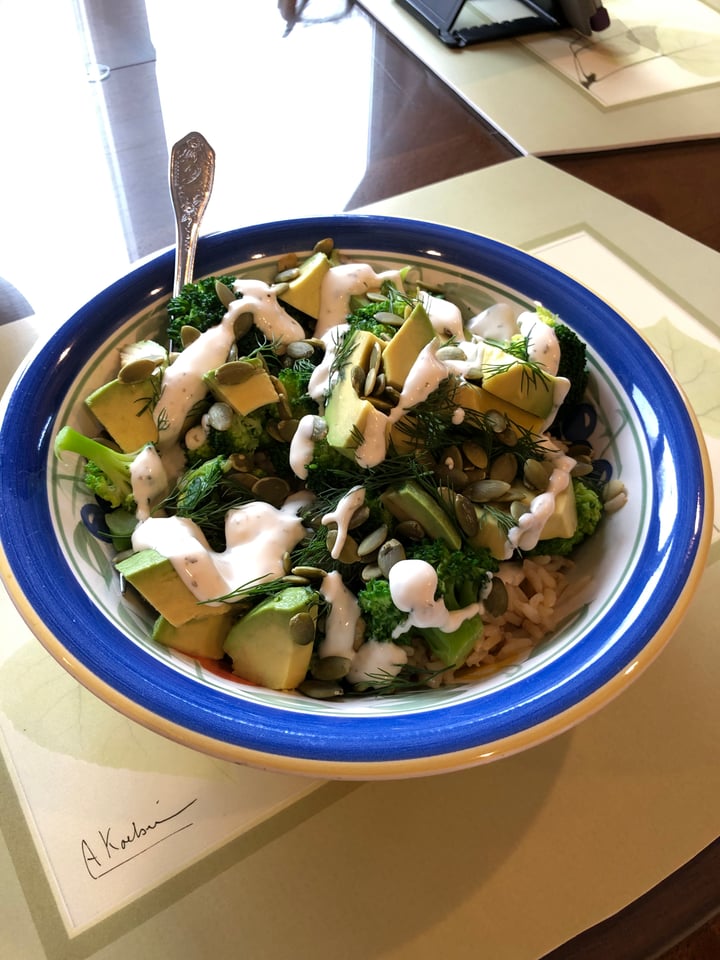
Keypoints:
(116, 846)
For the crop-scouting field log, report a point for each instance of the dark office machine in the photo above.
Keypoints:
(462, 22)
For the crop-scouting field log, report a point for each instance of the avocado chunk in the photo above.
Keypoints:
(203, 637)
(562, 522)
(156, 580)
(243, 384)
(125, 411)
(470, 396)
(304, 292)
(520, 383)
(273, 643)
(409, 501)
(346, 412)
(453, 648)
(491, 534)
(402, 351)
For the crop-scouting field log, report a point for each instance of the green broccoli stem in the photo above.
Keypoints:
(113, 463)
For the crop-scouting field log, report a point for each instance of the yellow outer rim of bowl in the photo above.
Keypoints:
(392, 769)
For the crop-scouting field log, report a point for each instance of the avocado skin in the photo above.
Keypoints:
(409, 501)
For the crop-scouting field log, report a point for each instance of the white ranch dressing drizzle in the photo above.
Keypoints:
(342, 515)
(257, 536)
(302, 445)
(445, 316)
(525, 535)
(320, 378)
(182, 383)
(497, 322)
(413, 584)
(375, 661)
(344, 281)
(149, 481)
(425, 375)
(543, 346)
(259, 299)
(341, 620)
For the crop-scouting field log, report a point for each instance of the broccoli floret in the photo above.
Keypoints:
(363, 315)
(573, 358)
(589, 512)
(295, 379)
(107, 471)
(379, 612)
(330, 469)
(197, 305)
(462, 574)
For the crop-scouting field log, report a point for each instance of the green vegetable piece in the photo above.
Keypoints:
(255, 391)
(453, 648)
(410, 502)
(519, 382)
(107, 471)
(401, 352)
(346, 412)
(203, 637)
(155, 578)
(272, 644)
(303, 292)
(125, 411)
(589, 512)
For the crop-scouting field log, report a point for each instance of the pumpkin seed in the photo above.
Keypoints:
(456, 478)
(293, 580)
(450, 353)
(302, 629)
(288, 274)
(535, 475)
(358, 517)
(616, 502)
(188, 335)
(504, 467)
(581, 469)
(476, 454)
(300, 349)
(234, 372)
(388, 318)
(373, 541)
(220, 416)
(320, 689)
(326, 246)
(286, 261)
(390, 553)
(330, 668)
(309, 573)
(225, 294)
(319, 428)
(517, 509)
(496, 602)
(496, 421)
(137, 370)
(465, 515)
(348, 554)
(273, 490)
(379, 383)
(452, 458)
(371, 571)
(484, 491)
(410, 530)
(241, 462)
(357, 378)
(242, 324)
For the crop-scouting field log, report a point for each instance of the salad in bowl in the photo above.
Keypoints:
(370, 498)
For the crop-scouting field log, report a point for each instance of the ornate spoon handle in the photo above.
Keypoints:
(192, 170)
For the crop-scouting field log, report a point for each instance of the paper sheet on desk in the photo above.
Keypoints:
(115, 810)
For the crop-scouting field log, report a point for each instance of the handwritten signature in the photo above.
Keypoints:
(116, 846)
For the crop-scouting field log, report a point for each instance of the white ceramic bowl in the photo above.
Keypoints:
(645, 564)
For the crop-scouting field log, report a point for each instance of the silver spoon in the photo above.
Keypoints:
(192, 170)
